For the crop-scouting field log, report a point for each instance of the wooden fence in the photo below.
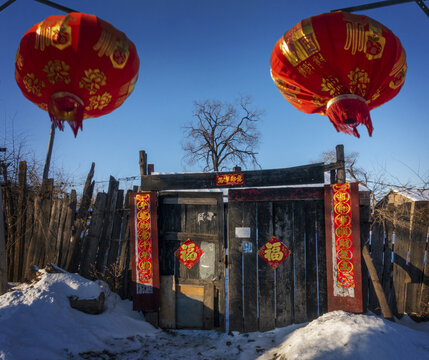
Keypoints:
(399, 248)
(85, 237)
(91, 237)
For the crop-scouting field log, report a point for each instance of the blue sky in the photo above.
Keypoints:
(199, 49)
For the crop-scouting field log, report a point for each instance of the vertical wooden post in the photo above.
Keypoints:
(49, 152)
(143, 165)
(377, 286)
(143, 162)
(3, 259)
(341, 172)
(20, 223)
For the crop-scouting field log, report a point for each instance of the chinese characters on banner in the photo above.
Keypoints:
(188, 253)
(274, 252)
(343, 235)
(144, 278)
(230, 179)
(144, 251)
(343, 247)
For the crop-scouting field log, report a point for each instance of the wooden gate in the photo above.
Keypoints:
(192, 297)
(261, 298)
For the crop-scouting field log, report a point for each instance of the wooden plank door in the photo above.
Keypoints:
(261, 298)
(192, 297)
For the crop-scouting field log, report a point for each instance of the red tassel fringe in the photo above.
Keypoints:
(66, 107)
(346, 112)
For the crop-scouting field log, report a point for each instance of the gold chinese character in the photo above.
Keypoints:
(273, 252)
(188, 253)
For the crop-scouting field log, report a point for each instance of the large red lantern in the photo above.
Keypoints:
(76, 66)
(341, 65)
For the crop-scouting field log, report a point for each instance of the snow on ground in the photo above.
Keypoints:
(36, 322)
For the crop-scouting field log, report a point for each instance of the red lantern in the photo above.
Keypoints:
(76, 66)
(341, 65)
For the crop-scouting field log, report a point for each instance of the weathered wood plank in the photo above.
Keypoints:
(364, 216)
(3, 258)
(29, 228)
(10, 215)
(116, 230)
(250, 292)
(276, 194)
(235, 285)
(300, 273)
(321, 257)
(424, 292)
(419, 230)
(208, 310)
(68, 240)
(90, 245)
(307, 174)
(388, 266)
(106, 232)
(33, 244)
(266, 282)
(220, 311)
(51, 238)
(377, 247)
(167, 310)
(311, 259)
(43, 218)
(80, 224)
(20, 222)
(283, 230)
(183, 236)
(125, 252)
(400, 268)
(61, 242)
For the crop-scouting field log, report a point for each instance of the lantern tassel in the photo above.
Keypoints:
(348, 111)
(64, 106)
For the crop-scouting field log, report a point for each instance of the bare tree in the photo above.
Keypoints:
(222, 134)
(14, 150)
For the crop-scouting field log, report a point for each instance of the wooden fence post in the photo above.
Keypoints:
(377, 286)
(341, 172)
(20, 222)
(80, 221)
(106, 232)
(3, 259)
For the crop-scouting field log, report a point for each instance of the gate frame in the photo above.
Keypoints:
(299, 175)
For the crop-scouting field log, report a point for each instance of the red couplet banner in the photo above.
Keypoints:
(343, 247)
(144, 251)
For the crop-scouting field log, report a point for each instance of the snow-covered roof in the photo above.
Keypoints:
(414, 195)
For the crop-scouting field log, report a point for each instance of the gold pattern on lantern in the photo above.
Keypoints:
(370, 41)
(33, 84)
(300, 43)
(43, 106)
(114, 44)
(19, 60)
(375, 95)
(398, 72)
(99, 102)
(93, 80)
(359, 80)
(319, 101)
(56, 71)
(58, 34)
(120, 101)
(332, 85)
